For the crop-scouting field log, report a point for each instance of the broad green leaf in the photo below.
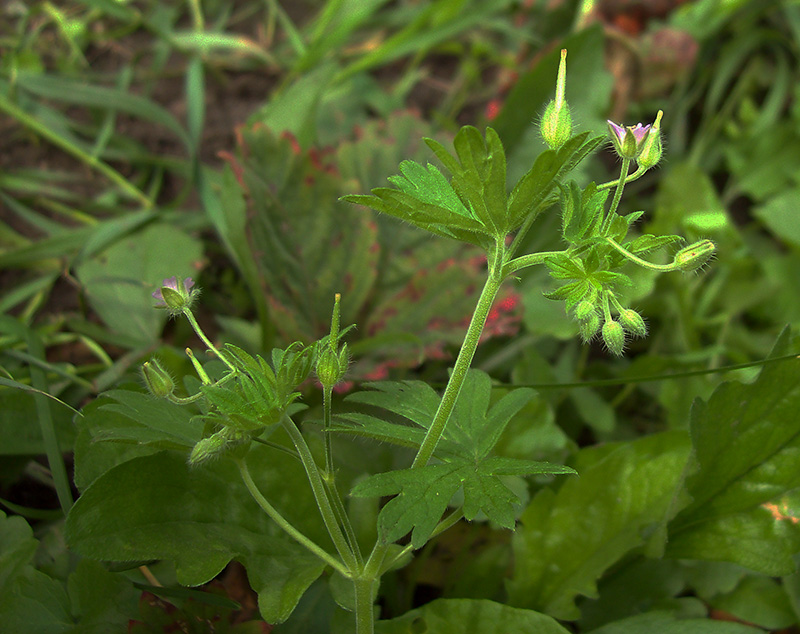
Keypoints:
(173, 423)
(18, 415)
(474, 427)
(456, 616)
(101, 601)
(30, 600)
(758, 600)
(156, 507)
(779, 215)
(746, 442)
(414, 400)
(569, 538)
(36, 603)
(666, 623)
(17, 547)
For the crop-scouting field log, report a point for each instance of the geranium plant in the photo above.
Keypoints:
(241, 457)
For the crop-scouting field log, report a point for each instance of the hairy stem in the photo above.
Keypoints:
(321, 495)
(287, 527)
(464, 359)
(623, 173)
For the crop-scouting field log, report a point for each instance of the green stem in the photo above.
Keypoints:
(274, 445)
(330, 478)
(640, 171)
(623, 173)
(285, 524)
(525, 261)
(640, 261)
(327, 394)
(196, 327)
(365, 613)
(465, 355)
(321, 495)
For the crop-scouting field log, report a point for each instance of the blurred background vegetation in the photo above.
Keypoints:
(213, 139)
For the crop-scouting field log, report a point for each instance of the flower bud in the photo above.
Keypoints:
(694, 256)
(158, 381)
(628, 140)
(225, 441)
(556, 125)
(614, 337)
(651, 150)
(589, 327)
(176, 294)
(584, 309)
(332, 365)
(633, 323)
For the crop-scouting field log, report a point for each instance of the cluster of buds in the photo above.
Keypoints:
(594, 315)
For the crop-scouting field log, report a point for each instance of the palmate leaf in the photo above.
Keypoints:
(473, 430)
(479, 175)
(422, 495)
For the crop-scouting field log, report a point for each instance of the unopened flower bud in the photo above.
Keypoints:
(694, 256)
(628, 140)
(614, 337)
(589, 327)
(584, 309)
(224, 442)
(556, 125)
(176, 294)
(651, 149)
(158, 381)
(633, 323)
(332, 365)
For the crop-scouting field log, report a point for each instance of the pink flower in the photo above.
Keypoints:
(175, 294)
(628, 140)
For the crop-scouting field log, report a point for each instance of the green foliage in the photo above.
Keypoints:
(570, 537)
(156, 507)
(450, 616)
(474, 207)
(745, 443)
(687, 495)
(287, 232)
(423, 494)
